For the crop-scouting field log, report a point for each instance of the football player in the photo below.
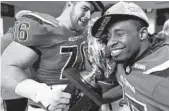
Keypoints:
(142, 66)
(102, 67)
(166, 27)
(47, 46)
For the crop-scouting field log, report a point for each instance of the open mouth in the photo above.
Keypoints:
(116, 52)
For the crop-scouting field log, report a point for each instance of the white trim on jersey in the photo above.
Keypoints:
(136, 101)
(160, 67)
(27, 12)
(70, 55)
(81, 45)
(43, 19)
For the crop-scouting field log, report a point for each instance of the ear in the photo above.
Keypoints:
(143, 33)
(69, 3)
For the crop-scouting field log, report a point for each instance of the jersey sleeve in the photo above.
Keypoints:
(157, 77)
(33, 28)
(161, 92)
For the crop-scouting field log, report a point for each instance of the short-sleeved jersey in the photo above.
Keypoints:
(146, 82)
(58, 48)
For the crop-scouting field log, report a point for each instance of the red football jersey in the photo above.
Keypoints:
(146, 82)
(58, 47)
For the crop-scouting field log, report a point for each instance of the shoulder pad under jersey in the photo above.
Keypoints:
(33, 28)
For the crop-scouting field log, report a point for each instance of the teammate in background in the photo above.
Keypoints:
(48, 45)
(142, 67)
(97, 56)
(164, 34)
(166, 27)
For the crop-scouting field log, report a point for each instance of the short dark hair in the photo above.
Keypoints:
(138, 23)
(98, 5)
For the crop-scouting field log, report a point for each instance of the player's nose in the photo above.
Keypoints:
(111, 43)
(88, 15)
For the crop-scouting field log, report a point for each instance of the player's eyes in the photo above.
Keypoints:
(85, 9)
(120, 33)
(91, 11)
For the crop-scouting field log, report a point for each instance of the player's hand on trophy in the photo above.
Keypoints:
(53, 98)
(57, 99)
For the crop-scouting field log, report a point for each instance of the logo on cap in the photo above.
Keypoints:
(102, 26)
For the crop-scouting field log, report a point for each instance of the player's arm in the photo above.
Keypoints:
(6, 40)
(29, 30)
(15, 82)
(113, 94)
(157, 84)
(15, 59)
(161, 92)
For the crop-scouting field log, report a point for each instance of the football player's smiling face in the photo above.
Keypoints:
(123, 40)
(80, 14)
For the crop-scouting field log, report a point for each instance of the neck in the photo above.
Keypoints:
(143, 49)
(64, 18)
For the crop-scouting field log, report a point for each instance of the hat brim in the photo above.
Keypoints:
(97, 25)
(100, 27)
